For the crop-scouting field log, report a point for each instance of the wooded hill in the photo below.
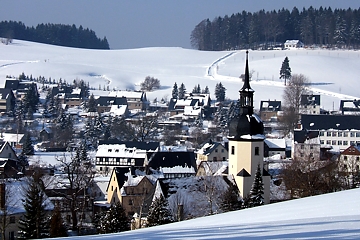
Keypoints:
(266, 29)
(56, 34)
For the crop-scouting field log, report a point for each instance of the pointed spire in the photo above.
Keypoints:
(246, 85)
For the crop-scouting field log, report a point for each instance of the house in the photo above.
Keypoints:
(349, 160)
(112, 104)
(136, 100)
(310, 104)
(348, 107)
(9, 162)
(7, 101)
(274, 147)
(269, 110)
(306, 145)
(12, 195)
(338, 131)
(292, 44)
(212, 151)
(218, 168)
(134, 193)
(14, 139)
(19, 87)
(169, 160)
(116, 153)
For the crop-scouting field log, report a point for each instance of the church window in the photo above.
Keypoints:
(232, 150)
(257, 152)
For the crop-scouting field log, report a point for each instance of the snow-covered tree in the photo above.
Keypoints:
(159, 213)
(206, 90)
(112, 221)
(231, 200)
(34, 223)
(257, 190)
(91, 105)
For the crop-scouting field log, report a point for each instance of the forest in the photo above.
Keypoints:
(55, 34)
(322, 27)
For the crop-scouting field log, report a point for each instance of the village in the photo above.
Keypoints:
(189, 149)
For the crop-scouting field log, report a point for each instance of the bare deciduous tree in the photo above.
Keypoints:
(150, 83)
(297, 86)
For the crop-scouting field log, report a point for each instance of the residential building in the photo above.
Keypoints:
(338, 131)
(310, 104)
(349, 160)
(293, 44)
(212, 151)
(136, 100)
(7, 101)
(269, 110)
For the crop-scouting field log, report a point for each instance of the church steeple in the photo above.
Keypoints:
(246, 92)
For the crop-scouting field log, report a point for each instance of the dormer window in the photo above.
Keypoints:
(109, 150)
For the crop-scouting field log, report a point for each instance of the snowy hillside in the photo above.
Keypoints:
(334, 72)
(328, 216)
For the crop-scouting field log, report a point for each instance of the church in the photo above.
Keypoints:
(246, 143)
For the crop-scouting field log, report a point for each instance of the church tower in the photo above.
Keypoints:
(246, 142)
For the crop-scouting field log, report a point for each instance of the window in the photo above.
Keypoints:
(222, 150)
(9, 155)
(339, 142)
(334, 134)
(333, 142)
(321, 133)
(311, 147)
(12, 219)
(345, 166)
(345, 134)
(358, 134)
(345, 157)
(322, 142)
(352, 134)
(357, 159)
(232, 150)
(328, 142)
(130, 202)
(345, 143)
(328, 134)
(339, 134)
(214, 158)
(301, 146)
(311, 154)
(257, 152)
(11, 235)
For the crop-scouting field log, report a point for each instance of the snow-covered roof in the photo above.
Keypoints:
(192, 111)
(118, 110)
(127, 94)
(275, 143)
(119, 150)
(177, 169)
(11, 137)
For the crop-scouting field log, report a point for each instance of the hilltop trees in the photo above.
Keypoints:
(266, 29)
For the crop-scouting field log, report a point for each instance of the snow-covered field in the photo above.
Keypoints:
(334, 73)
(328, 216)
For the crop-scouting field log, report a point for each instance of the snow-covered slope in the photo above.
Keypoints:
(328, 216)
(335, 72)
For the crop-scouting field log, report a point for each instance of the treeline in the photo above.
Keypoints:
(264, 29)
(56, 34)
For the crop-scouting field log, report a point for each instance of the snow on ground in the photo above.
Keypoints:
(334, 73)
(328, 216)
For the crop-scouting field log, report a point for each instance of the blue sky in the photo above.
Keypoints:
(144, 23)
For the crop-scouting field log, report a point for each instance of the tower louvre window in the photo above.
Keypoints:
(232, 150)
(257, 151)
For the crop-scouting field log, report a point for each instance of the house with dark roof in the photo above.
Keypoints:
(349, 160)
(105, 103)
(269, 110)
(7, 100)
(310, 104)
(337, 131)
(348, 107)
(177, 164)
(19, 87)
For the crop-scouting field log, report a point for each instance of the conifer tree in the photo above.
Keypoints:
(182, 91)
(34, 223)
(91, 106)
(220, 92)
(175, 91)
(28, 148)
(257, 190)
(231, 200)
(159, 213)
(57, 226)
(285, 70)
(112, 221)
(206, 90)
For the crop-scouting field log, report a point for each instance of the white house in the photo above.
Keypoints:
(291, 44)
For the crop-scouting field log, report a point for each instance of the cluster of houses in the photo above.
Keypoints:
(135, 173)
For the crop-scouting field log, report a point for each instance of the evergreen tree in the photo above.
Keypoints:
(57, 226)
(112, 221)
(257, 190)
(27, 147)
(31, 100)
(196, 89)
(231, 200)
(220, 92)
(91, 106)
(34, 223)
(182, 91)
(285, 70)
(175, 91)
(159, 213)
(206, 90)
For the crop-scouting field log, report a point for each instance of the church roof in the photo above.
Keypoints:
(243, 173)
